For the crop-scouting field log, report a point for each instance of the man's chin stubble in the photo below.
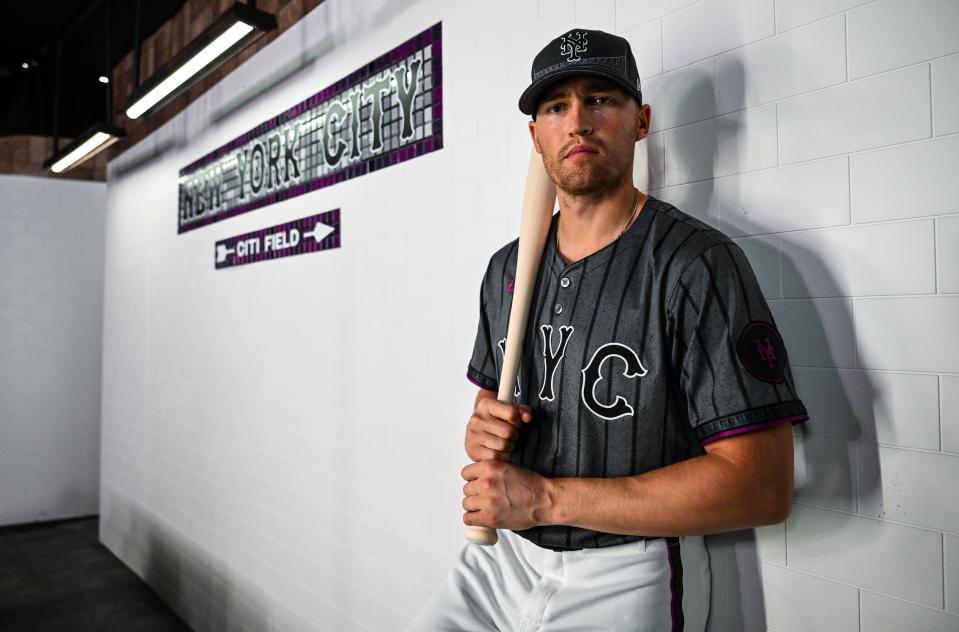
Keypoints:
(582, 182)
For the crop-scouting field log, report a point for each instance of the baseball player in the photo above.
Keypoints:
(654, 401)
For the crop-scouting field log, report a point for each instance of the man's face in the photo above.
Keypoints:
(586, 128)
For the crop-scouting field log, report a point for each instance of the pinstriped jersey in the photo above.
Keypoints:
(635, 356)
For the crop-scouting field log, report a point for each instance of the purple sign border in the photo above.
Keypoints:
(304, 224)
(431, 36)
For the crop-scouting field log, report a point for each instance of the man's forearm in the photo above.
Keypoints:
(705, 494)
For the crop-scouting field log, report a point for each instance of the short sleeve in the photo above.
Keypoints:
(733, 369)
(481, 369)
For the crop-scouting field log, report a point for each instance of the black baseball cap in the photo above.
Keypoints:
(582, 52)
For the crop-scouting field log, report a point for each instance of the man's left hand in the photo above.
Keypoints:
(501, 495)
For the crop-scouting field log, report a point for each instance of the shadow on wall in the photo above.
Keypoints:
(824, 464)
(190, 579)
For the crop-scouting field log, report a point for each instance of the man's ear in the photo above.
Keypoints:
(642, 122)
(532, 135)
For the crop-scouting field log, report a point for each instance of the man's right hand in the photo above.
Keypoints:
(493, 427)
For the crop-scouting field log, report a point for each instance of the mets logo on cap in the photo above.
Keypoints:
(572, 44)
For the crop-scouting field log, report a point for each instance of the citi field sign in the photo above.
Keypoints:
(386, 112)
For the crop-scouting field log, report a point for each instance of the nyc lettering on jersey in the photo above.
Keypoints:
(592, 373)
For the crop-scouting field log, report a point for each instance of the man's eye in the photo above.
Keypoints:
(554, 108)
(602, 100)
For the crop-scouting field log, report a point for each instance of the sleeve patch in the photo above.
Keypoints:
(761, 350)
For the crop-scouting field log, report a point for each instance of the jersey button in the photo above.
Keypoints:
(564, 281)
(559, 308)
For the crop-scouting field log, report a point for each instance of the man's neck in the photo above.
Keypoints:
(588, 223)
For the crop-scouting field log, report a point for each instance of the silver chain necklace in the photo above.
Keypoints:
(623, 232)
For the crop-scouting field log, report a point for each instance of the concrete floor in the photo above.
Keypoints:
(57, 577)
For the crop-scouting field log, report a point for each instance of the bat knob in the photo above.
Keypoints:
(481, 535)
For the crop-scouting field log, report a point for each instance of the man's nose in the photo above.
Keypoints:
(580, 118)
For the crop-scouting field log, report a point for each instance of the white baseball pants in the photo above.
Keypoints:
(659, 585)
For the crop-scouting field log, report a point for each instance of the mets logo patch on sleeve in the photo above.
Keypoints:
(762, 352)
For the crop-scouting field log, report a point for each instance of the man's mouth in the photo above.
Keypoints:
(579, 151)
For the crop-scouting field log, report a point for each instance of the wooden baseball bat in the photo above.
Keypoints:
(538, 201)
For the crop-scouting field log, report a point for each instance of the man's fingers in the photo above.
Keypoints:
(495, 427)
(496, 443)
(496, 455)
(502, 429)
(510, 413)
(484, 428)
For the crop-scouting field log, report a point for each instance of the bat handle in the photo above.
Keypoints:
(481, 535)
(484, 535)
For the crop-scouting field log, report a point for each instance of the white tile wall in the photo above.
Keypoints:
(649, 162)
(646, 42)
(547, 7)
(681, 96)
(817, 332)
(734, 143)
(765, 258)
(912, 331)
(826, 472)
(894, 33)
(947, 235)
(945, 95)
(792, 13)
(884, 614)
(523, 44)
(789, 596)
(767, 543)
(912, 180)
(951, 550)
(51, 319)
(881, 259)
(949, 394)
(889, 558)
(697, 199)
(802, 128)
(595, 14)
(691, 152)
(856, 115)
(898, 409)
(911, 487)
(489, 15)
(630, 13)
(747, 140)
(480, 156)
(809, 195)
(794, 62)
(713, 26)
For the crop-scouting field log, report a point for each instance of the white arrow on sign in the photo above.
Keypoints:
(320, 231)
(222, 251)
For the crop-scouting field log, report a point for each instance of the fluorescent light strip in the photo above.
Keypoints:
(89, 147)
(194, 65)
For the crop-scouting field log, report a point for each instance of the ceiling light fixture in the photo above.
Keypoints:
(91, 142)
(230, 33)
(101, 134)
